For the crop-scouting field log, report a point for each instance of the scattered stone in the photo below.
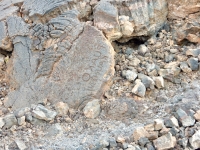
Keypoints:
(147, 81)
(120, 139)
(193, 63)
(9, 120)
(2, 57)
(139, 133)
(183, 142)
(139, 89)
(21, 121)
(174, 131)
(150, 146)
(112, 142)
(161, 98)
(185, 119)
(152, 135)
(21, 145)
(21, 112)
(159, 81)
(134, 62)
(61, 108)
(171, 122)
(143, 141)
(164, 131)
(197, 115)
(142, 49)
(130, 75)
(184, 67)
(149, 127)
(158, 124)
(164, 142)
(103, 143)
(40, 112)
(2, 123)
(193, 52)
(195, 140)
(92, 109)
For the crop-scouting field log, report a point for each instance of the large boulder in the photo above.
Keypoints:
(62, 60)
(146, 18)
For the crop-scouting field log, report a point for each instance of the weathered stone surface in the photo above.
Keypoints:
(9, 120)
(159, 82)
(129, 75)
(17, 27)
(147, 81)
(8, 8)
(197, 115)
(139, 133)
(2, 123)
(145, 17)
(193, 63)
(158, 124)
(61, 108)
(195, 140)
(5, 42)
(139, 89)
(171, 122)
(185, 119)
(40, 112)
(106, 19)
(66, 70)
(2, 57)
(184, 28)
(92, 109)
(55, 130)
(184, 67)
(21, 145)
(164, 142)
(193, 52)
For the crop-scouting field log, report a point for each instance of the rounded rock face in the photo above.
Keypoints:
(75, 64)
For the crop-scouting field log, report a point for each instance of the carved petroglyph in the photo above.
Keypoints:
(66, 60)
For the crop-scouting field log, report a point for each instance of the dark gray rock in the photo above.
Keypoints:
(147, 81)
(193, 63)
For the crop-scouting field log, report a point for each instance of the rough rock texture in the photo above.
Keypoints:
(146, 17)
(66, 70)
(185, 19)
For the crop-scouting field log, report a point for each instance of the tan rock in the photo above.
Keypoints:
(197, 115)
(165, 142)
(92, 109)
(139, 133)
(158, 124)
(61, 108)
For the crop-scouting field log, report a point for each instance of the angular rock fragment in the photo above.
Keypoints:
(195, 140)
(9, 120)
(40, 112)
(92, 109)
(193, 52)
(147, 81)
(164, 142)
(139, 133)
(130, 75)
(193, 63)
(21, 145)
(61, 108)
(185, 68)
(185, 119)
(158, 124)
(139, 89)
(159, 82)
(171, 122)
(197, 115)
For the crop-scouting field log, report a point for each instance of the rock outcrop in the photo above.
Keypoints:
(63, 60)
